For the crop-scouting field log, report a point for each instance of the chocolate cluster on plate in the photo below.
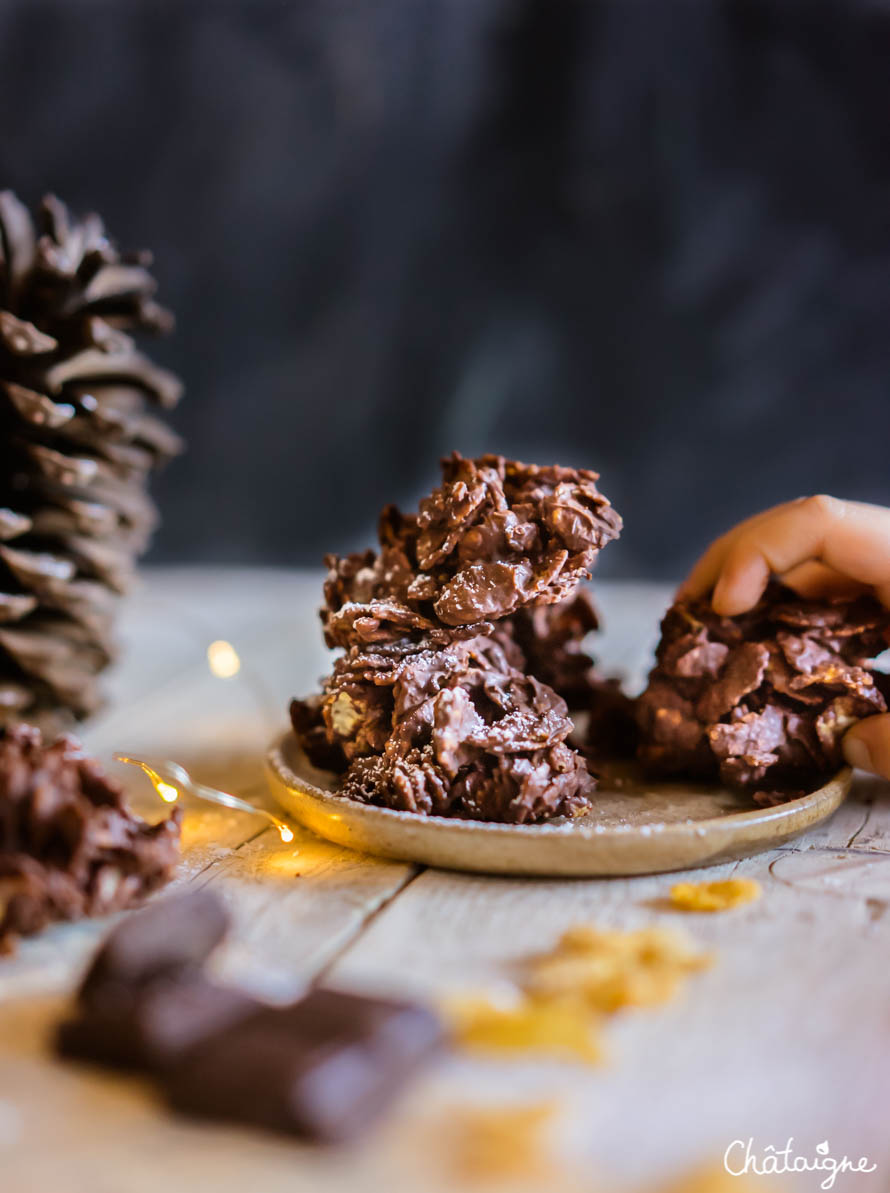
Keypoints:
(762, 700)
(440, 703)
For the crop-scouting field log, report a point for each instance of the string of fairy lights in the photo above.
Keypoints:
(170, 779)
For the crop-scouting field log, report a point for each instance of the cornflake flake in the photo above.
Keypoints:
(715, 896)
(495, 1143)
(567, 994)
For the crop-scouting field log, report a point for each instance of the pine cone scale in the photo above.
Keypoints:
(78, 441)
(23, 338)
(36, 408)
(15, 606)
(19, 242)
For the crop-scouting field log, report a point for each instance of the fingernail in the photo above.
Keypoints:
(858, 754)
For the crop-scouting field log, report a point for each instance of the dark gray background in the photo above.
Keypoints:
(650, 238)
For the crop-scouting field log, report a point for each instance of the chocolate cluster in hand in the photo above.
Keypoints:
(762, 700)
(442, 703)
(69, 845)
(495, 537)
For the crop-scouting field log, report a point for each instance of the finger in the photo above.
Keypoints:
(706, 571)
(867, 745)
(701, 579)
(851, 537)
(818, 581)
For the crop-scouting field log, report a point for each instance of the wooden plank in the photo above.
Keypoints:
(295, 907)
(737, 1055)
(787, 1035)
(77, 1130)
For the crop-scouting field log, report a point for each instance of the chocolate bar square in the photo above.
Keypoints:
(323, 1068)
(149, 1027)
(172, 934)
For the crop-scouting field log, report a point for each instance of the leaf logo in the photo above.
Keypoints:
(822, 1148)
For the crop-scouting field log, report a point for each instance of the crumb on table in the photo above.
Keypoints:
(715, 896)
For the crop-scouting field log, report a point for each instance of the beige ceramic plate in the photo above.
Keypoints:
(632, 829)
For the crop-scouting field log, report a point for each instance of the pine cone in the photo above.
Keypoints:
(77, 443)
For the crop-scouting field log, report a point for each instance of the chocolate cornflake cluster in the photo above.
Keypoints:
(441, 703)
(495, 537)
(762, 700)
(551, 639)
(69, 845)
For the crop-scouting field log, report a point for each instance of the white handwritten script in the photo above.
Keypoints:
(741, 1158)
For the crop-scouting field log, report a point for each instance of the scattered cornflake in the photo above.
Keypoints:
(715, 896)
(566, 994)
(561, 1027)
(497, 1143)
(612, 970)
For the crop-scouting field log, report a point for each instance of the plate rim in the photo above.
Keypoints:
(832, 793)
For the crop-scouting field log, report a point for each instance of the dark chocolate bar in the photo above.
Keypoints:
(148, 1027)
(176, 933)
(145, 1001)
(322, 1069)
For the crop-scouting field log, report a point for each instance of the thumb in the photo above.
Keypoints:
(867, 745)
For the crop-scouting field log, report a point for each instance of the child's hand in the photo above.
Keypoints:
(819, 546)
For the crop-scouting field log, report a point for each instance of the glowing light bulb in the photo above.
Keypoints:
(167, 792)
(223, 660)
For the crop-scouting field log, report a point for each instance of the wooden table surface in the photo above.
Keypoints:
(787, 1035)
